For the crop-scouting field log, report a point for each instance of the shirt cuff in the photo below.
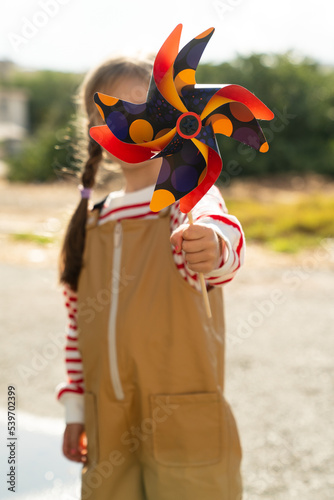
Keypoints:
(74, 408)
(229, 258)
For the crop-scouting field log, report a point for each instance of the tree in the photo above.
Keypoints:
(49, 145)
(301, 94)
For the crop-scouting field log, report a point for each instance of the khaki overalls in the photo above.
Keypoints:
(157, 424)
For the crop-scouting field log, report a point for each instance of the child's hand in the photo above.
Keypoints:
(74, 444)
(202, 246)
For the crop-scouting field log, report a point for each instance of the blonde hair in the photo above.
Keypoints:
(100, 79)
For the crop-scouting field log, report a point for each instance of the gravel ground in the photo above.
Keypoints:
(280, 345)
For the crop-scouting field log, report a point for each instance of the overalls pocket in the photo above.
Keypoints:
(91, 429)
(187, 428)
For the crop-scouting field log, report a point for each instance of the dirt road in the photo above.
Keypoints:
(280, 345)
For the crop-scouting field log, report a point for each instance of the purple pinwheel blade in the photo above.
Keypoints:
(137, 123)
(173, 147)
(187, 60)
(235, 120)
(181, 170)
(207, 137)
(195, 99)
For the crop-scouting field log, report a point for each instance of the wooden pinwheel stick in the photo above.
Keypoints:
(202, 280)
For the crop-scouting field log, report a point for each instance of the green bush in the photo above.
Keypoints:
(43, 157)
(301, 137)
(301, 95)
(49, 147)
(286, 227)
(34, 162)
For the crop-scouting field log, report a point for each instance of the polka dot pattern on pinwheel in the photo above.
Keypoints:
(190, 55)
(184, 178)
(196, 99)
(237, 121)
(164, 114)
(175, 145)
(179, 122)
(180, 172)
(118, 125)
(207, 136)
(121, 115)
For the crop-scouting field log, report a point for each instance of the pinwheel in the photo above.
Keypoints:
(178, 122)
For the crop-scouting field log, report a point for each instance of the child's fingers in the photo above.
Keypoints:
(186, 232)
(201, 262)
(71, 443)
(201, 245)
(195, 232)
(176, 238)
(200, 238)
(194, 246)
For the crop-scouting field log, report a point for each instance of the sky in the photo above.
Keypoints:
(75, 35)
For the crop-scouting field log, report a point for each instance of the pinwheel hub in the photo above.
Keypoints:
(188, 125)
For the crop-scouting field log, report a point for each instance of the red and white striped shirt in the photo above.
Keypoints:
(210, 211)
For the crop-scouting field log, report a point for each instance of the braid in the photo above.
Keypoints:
(74, 241)
(92, 164)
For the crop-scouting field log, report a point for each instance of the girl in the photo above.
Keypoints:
(145, 409)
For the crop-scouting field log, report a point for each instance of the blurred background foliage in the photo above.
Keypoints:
(301, 137)
(50, 144)
(301, 95)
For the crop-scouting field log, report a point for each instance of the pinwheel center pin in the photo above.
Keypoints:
(188, 125)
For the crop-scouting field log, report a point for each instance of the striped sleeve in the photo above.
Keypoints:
(229, 229)
(71, 393)
(211, 211)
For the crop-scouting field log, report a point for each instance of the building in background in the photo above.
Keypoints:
(13, 114)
